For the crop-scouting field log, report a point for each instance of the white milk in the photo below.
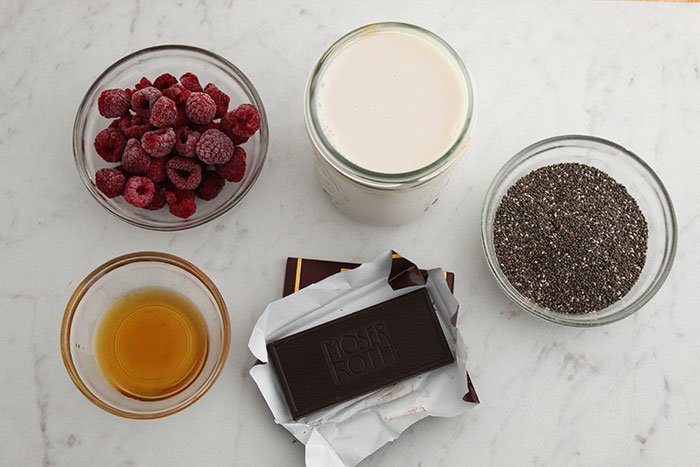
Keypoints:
(388, 110)
(391, 102)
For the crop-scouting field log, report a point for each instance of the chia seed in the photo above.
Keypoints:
(570, 238)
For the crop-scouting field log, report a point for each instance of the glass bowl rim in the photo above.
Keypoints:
(670, 221)
(125, 260)
(82, 115)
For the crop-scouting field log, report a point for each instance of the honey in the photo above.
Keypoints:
(151, 343)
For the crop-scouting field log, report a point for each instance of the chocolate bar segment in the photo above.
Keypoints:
(302, 272)
(359, 353)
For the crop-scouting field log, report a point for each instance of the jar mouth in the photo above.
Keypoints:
(360, 174)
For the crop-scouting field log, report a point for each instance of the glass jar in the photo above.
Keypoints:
(375, 197)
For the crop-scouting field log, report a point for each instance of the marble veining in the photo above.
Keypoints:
(626, 394)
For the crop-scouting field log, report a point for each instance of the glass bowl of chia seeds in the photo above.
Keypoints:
(578, 230)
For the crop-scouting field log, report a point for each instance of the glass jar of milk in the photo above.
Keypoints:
(388, 108)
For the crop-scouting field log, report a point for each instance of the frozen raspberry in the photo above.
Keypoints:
(158, 143)
(211, 186)
(164, 81)
(143, 83)
(109, 144)
(135, 160)
(221, 99)
(214, 147)
(234, 170)
(113, 103)
(178, 93)
(163, 113)
(180, 202)
(142, 100)
(132, 126)
(156, 171)
(200, 108)
(186, 143)
(139, 191)
(110, 182)
(243, 122)
(184, 173)
(158, 200)
(238, 140)
(191, 82)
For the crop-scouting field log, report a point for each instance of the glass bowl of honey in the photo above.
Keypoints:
(145, 335)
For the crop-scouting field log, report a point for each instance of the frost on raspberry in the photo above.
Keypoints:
(132, 126)
(211, 186)
(164, 81)
(191, 82)
(139, 191)
(214, 147)
(221, 99)
(185, 174)
(135, 160)
(109, 144)
(142, 100)
(178, 93)
(163, 112)
(180, 202)
(234, 170)
(243, 121)
(201, 108)
(158, 143)
(186, 142)
(110, 182)
(113, 103)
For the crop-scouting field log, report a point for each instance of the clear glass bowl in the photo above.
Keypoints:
(151, 62)
(626, 168)
(111, 281)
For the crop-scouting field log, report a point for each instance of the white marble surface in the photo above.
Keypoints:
(620, 395)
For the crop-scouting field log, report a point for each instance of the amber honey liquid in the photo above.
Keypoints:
(151, 343)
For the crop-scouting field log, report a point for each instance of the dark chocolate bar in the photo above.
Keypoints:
(359, 353)
(302, 272)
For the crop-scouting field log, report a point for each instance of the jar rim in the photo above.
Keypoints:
(360, 174)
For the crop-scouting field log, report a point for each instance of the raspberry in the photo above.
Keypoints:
(143, 83)
(132, 126)
(238, 140)
(180, 202)
(211, 186)
(200, 108)
(164, 81)
(214, 147)
(142, 100)
(113, 103)
(178, 93)
(135, 160)
(186, 143)
(234, 170)
(163, 112)
(139, 191)
(158, 143)
(184, 173)
(158, 200)
(191, 82)
(221, 99)
(110, 182)
(156, 171)
(244, 121)
(109, 144)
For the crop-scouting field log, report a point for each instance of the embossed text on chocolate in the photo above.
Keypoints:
(359, 351)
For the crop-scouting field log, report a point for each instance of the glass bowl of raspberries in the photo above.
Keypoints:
(170, 137)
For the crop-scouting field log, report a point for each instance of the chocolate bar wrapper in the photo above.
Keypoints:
(346, 433)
